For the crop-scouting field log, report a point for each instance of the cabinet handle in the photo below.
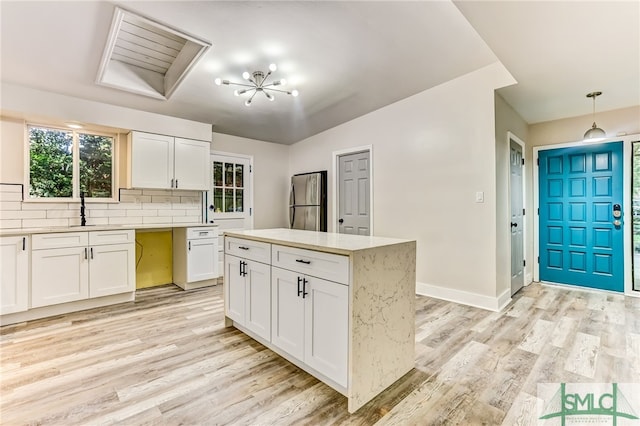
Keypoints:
(243, 248)
(172, 182)
(176, 183)
(24, 243)
(304, 287)
(85, 253)
(299, 291)
(306, 262)
(91, 251)
(189, 245)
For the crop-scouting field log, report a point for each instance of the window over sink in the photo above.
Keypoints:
(64, 162)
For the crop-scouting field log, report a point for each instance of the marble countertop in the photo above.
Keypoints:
(141, 227)
(321, 241)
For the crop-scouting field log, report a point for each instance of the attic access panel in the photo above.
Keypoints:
(145, 57)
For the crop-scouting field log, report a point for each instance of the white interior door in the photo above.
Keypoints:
(354, 193)
(517, 216)
(228, 202)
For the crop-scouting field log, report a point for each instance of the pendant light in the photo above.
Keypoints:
(595, 133)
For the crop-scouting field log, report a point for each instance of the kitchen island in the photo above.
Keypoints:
(341, 307)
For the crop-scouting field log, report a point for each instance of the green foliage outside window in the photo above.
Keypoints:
(95, 165)
(51, 163)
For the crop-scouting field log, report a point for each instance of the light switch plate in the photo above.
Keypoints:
(479, 197)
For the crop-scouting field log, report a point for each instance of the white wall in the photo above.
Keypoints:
(270, 177)
(37, 104)
(507, 120)
(431, 153)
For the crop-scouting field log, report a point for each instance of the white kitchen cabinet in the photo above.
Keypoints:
(195, 257)
(310, 321)
(112, 269)
(248, 294)
(14, 274)
(247, 287)
(165, 162)
(72, 266)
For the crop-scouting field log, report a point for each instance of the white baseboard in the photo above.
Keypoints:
(495, 304)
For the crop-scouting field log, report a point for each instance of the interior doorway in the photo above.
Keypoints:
(353, 203)
(517, 212)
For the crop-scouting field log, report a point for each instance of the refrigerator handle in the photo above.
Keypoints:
(292, 195)
(292, 216)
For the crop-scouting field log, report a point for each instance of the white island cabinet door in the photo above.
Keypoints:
(59, 276)
(327, 328)
(14, 275)
(234, 289)
(258, 300)
(192, 164)
(112, 269)
(287, 312)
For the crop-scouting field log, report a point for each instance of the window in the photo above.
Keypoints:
(228, 186)
(64, 163)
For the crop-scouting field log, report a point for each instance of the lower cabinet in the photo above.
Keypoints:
(248, 294)
(66, 267)
(14, 274)
(310, 321)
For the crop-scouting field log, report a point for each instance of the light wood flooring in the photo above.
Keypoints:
(167, 359)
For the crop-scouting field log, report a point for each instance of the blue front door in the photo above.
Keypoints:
(581, 240)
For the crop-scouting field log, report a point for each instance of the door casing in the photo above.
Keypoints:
(626, 210)
(335, 199)
(513, 138)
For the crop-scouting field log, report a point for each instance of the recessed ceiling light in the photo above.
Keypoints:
(74, 125)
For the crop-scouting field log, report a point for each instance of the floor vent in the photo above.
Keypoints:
(146, 57)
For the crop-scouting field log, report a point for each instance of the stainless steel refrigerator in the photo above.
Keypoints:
(308, 201)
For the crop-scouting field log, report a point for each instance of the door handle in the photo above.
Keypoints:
(513, 224)
(304, 287)
(91, 251)
(85, 253)
(299, 291)
(340, 221)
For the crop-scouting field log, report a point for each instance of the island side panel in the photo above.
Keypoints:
(382, 319)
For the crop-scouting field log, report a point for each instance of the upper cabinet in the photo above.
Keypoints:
(165, 162)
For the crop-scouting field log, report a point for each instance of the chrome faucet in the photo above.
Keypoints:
(83, 219)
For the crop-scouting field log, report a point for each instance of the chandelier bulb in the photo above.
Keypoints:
(294, 92)
(247, 102)
(272, 67)
(246, 75)
(236, 92)
(269, 96)
(218, 81)
(283, 82)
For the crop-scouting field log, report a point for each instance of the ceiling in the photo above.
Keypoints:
(345, 58)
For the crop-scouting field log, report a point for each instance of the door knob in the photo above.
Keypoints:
(341, 221)
(513, 224)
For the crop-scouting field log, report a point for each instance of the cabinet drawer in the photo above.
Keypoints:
(332, 267)
(59, 240)
(248, 249)
(204, 232)
(123, 236)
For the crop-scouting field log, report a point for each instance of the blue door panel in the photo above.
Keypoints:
(579, 243)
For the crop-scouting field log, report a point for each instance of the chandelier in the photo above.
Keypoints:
(258, 83)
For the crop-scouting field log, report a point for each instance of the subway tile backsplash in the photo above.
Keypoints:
(136, 206)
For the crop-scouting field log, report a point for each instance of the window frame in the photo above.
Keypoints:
(75, 177)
